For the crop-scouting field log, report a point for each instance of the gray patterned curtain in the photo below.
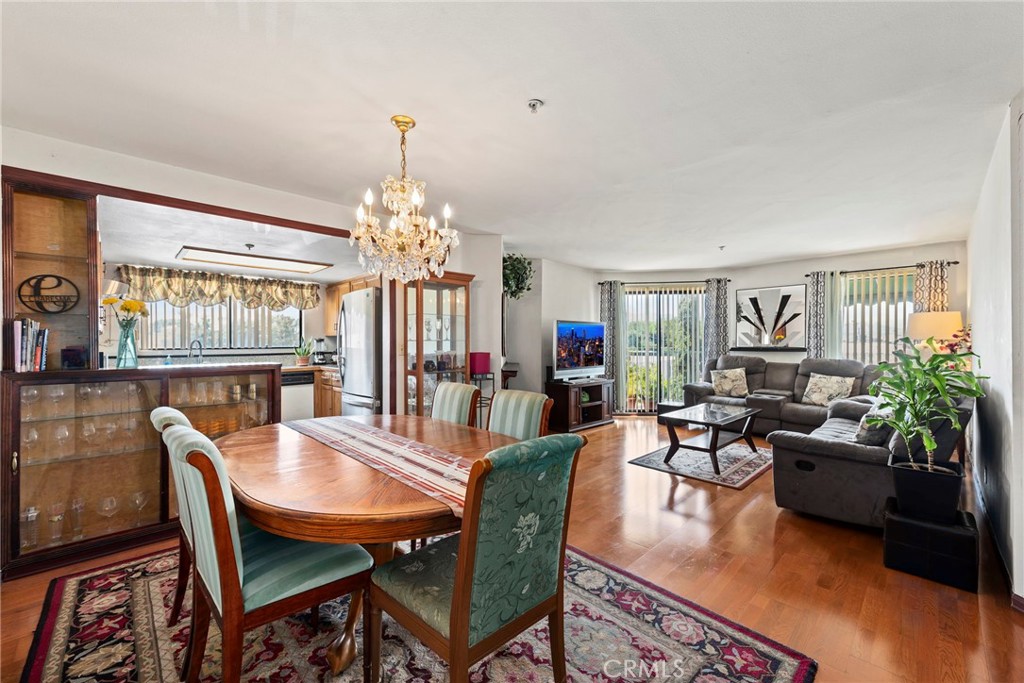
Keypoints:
(931, 287)
(816, 314)
(613, 296)
(716, 317)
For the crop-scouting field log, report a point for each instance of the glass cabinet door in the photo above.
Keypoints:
(90, 461)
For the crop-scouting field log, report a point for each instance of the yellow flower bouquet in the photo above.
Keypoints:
(127, 312)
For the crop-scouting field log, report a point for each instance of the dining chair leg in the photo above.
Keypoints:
(314, 617)
(184, 571)
(189, 646)
(556, 634)
(371, 640)
(197, 640)
(231, 651)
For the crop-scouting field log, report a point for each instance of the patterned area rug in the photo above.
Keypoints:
(109, 625)
(738, 464)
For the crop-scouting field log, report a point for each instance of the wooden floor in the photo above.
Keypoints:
(816, 586)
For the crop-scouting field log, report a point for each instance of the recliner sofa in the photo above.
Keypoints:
(827, 473)
(778, 388)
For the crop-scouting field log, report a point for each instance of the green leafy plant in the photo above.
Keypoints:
(916, 391)
(305, 349)
(516, 275)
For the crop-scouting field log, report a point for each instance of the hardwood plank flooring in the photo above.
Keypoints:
(814, 585)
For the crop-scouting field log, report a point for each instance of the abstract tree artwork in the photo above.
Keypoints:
(772, 317)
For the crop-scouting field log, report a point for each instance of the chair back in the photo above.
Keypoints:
(512, 547)
(162, 418)
(520, 414)
(454, 402)
(214, 521)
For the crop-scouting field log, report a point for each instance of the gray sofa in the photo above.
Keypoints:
(777, 389)
(827, 473)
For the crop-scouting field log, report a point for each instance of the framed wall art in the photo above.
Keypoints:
(772, 318)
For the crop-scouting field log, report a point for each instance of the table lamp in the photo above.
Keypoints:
(940, 325)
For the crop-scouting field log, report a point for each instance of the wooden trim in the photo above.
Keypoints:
(8, 270)
(47, 181)
(1017, 602)
(545, 415)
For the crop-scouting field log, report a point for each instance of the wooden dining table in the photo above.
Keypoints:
(290, 484)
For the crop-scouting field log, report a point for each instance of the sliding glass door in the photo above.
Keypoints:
(664, 342)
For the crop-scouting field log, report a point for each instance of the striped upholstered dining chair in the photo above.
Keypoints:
(454, 402)
(163, 417)
(466, 595)
(247, 580)
(520, 414)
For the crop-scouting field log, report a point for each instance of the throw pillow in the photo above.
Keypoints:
(823, 389)
(730, 382)
(872, 434)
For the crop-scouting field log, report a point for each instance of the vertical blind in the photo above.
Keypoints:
(875, 307)
(227, 325)
(664, 341)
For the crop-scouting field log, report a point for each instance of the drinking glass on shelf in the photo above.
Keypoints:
(130, 425)
(110, 429)
(83, 391)
(201, 393)
(87, 432)
(61, 434)
(30, 397)
(56, 519)
(183, 394)
(29, 444)
(139, 500)
(56, 394)
(28, 522)
(108, 508)
(99, 394)
(78, 519)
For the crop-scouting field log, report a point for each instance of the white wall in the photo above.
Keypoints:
(792, 273)
(481, 256)
(996, 306)
(559, 292)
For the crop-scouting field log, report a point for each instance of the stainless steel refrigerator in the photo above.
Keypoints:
(359, 352)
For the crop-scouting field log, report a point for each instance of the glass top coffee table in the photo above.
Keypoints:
(716, 418)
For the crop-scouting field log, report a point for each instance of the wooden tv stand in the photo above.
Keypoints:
(571, 412)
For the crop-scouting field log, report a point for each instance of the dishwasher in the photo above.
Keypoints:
(297, 395)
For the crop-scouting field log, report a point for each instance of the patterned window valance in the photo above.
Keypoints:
(183, 287)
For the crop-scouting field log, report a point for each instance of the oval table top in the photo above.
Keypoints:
(290, 484)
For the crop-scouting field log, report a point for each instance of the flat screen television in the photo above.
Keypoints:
(578, 349)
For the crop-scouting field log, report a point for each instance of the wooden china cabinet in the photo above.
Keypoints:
(436, 340)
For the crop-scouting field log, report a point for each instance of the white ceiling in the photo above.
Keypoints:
(781, 130)
(147, 234)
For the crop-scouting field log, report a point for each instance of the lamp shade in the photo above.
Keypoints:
(938, 324)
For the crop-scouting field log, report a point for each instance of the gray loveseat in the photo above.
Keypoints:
(827, 473)
(778, 388)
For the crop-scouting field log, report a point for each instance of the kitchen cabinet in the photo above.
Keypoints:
(327, 398)
(333, 294)
(86, 474)
(435, 345)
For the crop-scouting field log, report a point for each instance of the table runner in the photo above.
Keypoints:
(437, 473)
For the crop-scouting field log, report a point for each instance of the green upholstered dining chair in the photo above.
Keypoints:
(163, 417)
(520, 414)
(247, 580)
(468, 594)
(454, 402)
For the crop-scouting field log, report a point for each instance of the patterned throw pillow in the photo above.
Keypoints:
(872, 434)
(823, 389)
(730, 382)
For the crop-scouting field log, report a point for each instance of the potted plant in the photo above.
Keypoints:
(516, 275)
(917, 395)
(303, 352)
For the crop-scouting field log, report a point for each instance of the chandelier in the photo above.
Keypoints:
(411, 247)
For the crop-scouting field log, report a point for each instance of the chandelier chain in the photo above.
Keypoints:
(402, 145)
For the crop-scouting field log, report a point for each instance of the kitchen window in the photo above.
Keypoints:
(227, 325)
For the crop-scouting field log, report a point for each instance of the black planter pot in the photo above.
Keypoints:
(932, 496)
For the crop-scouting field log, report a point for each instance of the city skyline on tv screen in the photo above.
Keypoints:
(579, 345)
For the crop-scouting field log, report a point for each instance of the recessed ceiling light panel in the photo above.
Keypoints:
(242, 260)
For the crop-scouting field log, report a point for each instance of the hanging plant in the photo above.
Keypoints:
(516, 275)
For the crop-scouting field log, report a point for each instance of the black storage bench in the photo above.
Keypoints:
(946, 553)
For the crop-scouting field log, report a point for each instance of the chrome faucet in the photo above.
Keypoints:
(192, 346)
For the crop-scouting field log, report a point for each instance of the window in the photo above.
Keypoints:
(875, 308)
(221, 326)
(664, 342)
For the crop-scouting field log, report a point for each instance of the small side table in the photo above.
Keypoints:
(946, 553)
(479, 380)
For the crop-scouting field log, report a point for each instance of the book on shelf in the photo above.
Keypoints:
(30, 343)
